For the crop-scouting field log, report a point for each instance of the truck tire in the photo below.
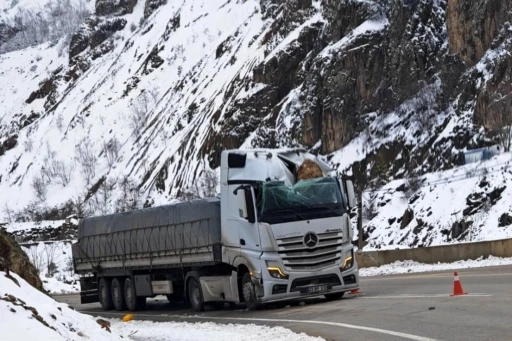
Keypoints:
(118, 295)
(195, 294)
(335, 296)
(133, 303)
(249, 292)
(105, 294)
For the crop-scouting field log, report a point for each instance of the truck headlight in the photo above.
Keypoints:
(348, 262)
(275, 270)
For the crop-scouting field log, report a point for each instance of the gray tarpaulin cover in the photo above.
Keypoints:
(179, 226)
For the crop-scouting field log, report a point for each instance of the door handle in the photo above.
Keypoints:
(242, 242)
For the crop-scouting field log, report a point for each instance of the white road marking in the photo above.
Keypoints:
(336, 324)
(421, 296)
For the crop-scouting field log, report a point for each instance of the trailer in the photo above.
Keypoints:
(265, 239)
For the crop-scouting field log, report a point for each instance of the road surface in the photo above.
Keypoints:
(402, 307)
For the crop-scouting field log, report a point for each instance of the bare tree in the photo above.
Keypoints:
(36, 257)
(64, 173)
(40, 188)
(413, 182)
(154, 93)
(209, 182)
(499, 119)
(130, 196)
(139, 114)
(50, 254)
(370, 210)
(104, 196)
(9, 213)
(87, 159)
(111, 150)
(501, 128)
(69, 266)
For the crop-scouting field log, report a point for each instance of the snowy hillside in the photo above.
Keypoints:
(117, 105)
(471, 203)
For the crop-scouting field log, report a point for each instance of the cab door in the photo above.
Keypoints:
(247, 221)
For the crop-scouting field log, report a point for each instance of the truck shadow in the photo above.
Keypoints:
(161, 305)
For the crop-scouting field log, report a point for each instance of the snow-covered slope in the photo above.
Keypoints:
(470, 203)
(150, 112)
(27, 314)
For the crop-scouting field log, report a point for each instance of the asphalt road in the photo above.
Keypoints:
(405, 307)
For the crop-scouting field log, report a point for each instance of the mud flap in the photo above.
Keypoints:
(89, 290)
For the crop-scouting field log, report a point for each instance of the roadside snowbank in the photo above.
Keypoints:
(28, 314)
(403, 267)
(184, 331)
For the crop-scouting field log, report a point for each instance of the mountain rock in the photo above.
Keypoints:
(114, 7)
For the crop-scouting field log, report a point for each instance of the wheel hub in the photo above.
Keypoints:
(248, 292)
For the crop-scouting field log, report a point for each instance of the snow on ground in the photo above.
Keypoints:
(26, 226)
(19, 323)
(183, 331)
(408, 266)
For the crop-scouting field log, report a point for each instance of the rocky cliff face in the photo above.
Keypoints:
(14, 259)
(151, 92)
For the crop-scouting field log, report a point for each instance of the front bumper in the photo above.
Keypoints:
(271, 289)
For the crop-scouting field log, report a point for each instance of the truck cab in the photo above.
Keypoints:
(288, 235)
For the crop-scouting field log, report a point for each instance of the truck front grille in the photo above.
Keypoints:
(296, 256)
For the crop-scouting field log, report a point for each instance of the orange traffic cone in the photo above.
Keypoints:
(457, 286)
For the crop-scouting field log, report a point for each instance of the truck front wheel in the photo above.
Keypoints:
(249, 292)
(105, 294)
(195, 295)
(118, 295)
(133, 303)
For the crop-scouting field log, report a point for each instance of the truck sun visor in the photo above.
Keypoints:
(237, 160)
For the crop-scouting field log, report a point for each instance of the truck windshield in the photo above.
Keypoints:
(307, 199)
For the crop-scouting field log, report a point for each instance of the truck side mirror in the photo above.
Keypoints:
(249, 202)
(351, 194)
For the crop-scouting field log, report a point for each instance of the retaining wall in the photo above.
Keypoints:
(435, 254)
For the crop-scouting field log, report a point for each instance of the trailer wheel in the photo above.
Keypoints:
(118, 294)
(249, 292)
(195, 294)
(105, 294)
(133, 303)
(335, 296)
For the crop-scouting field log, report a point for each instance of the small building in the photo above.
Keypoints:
(481, 154)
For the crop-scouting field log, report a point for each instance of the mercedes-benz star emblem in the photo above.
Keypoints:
(310, 239)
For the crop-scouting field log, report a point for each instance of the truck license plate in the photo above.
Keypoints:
(315, 289)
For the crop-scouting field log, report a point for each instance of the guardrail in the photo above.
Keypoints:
(437, 254)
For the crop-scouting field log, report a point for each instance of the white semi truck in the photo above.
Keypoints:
(267, 238)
